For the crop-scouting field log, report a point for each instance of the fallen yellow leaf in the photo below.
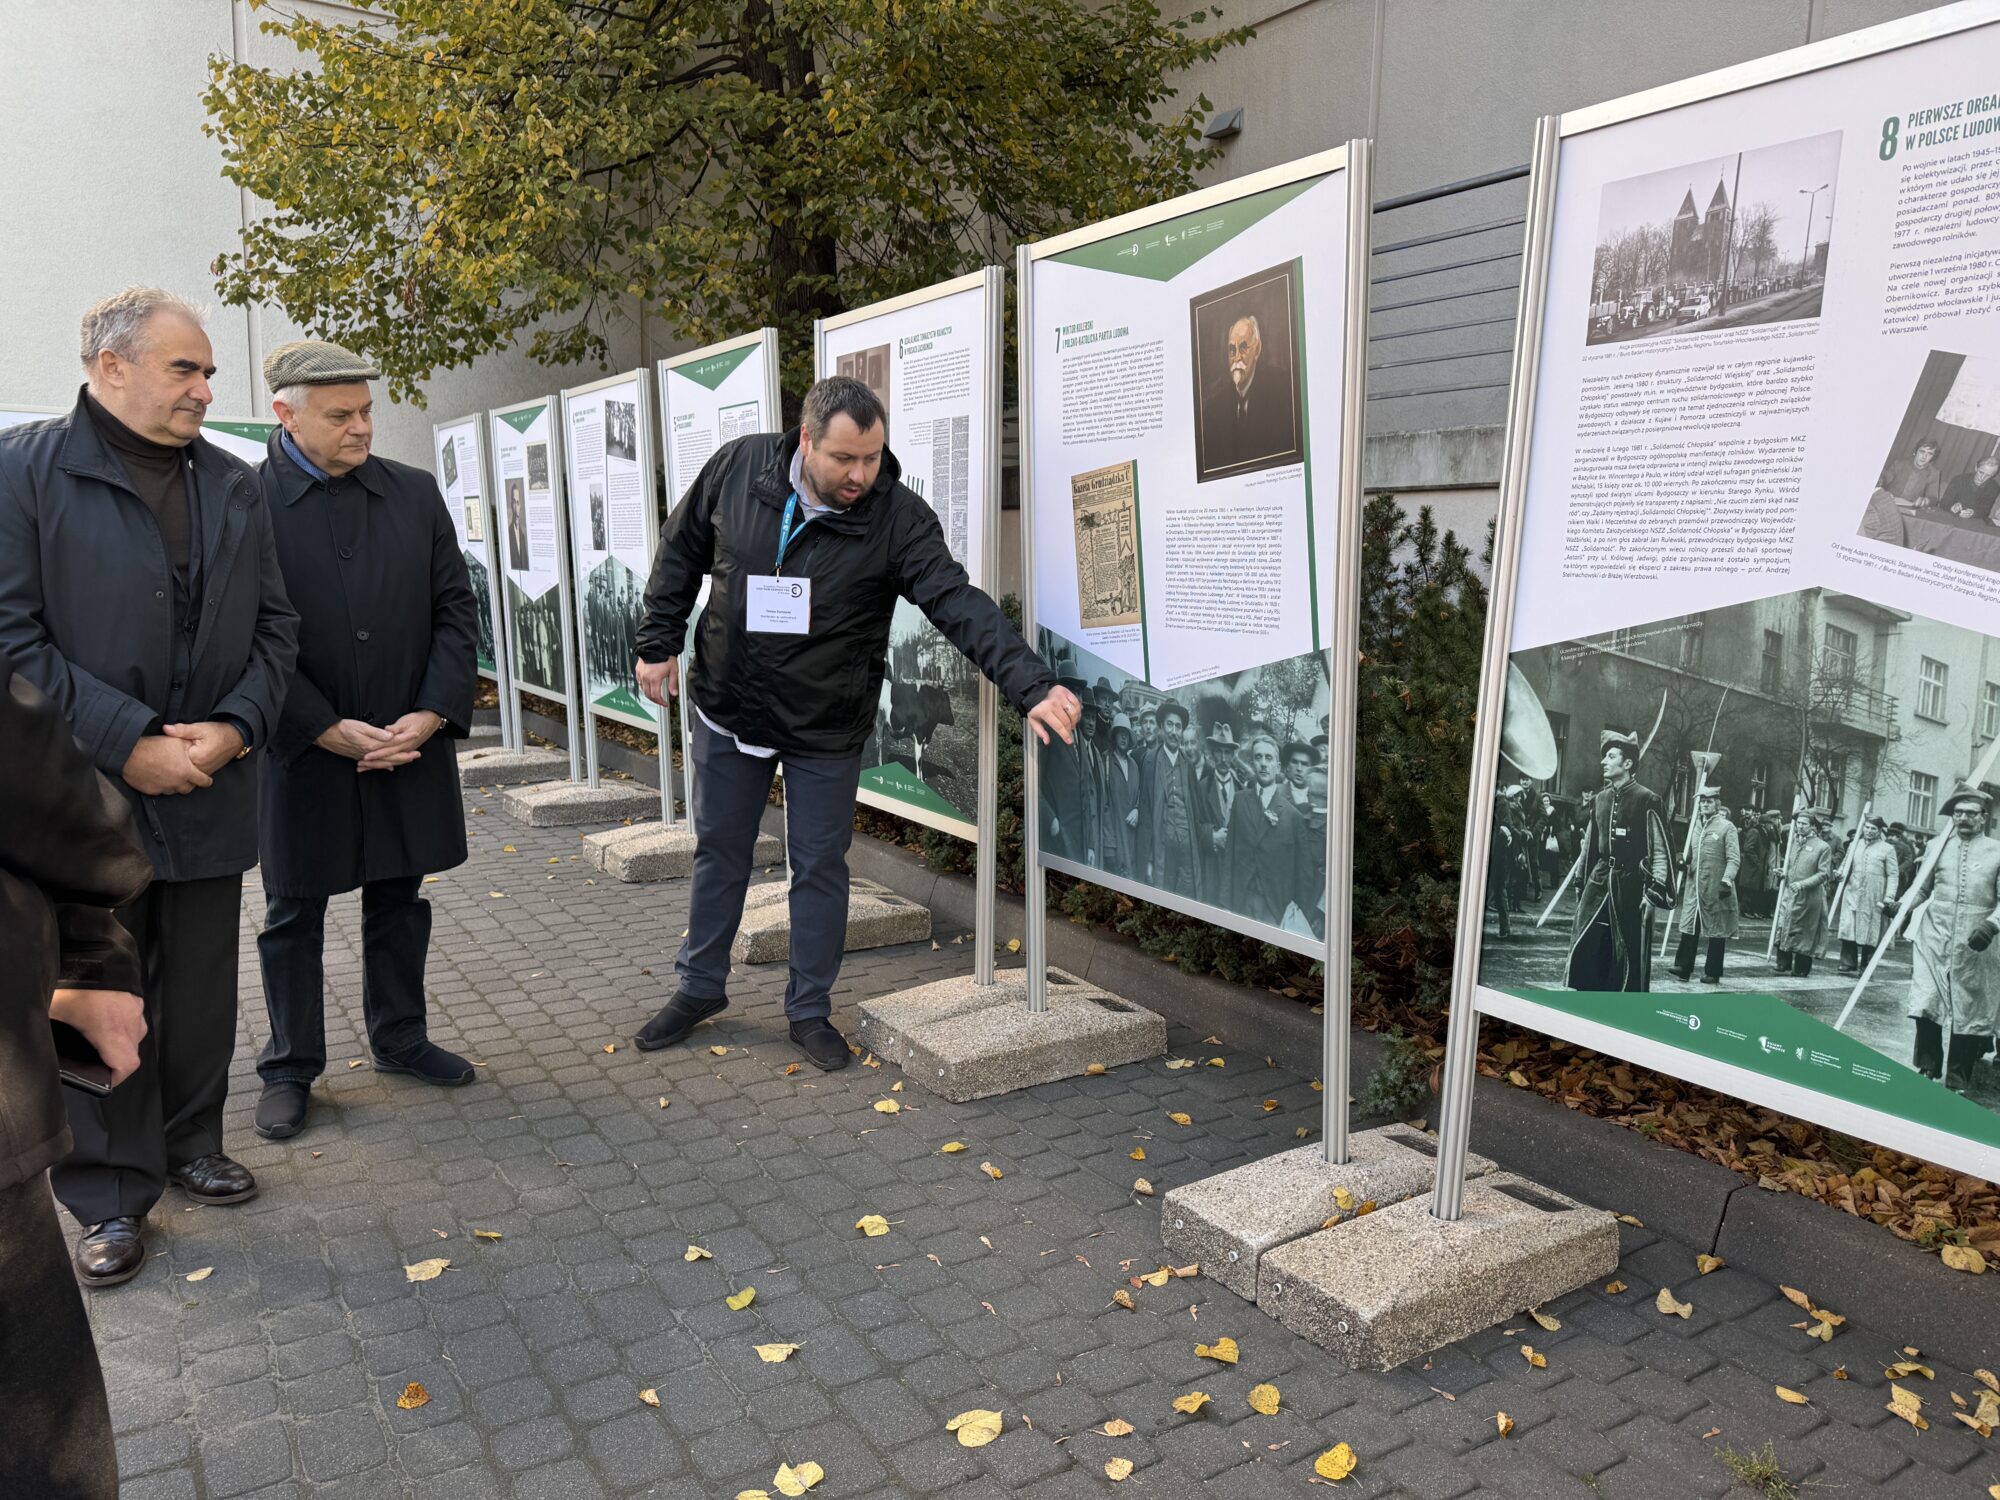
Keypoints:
(776, 1354)
(797, 1480)
(1551, 1324)
(202, 1275)
(610, 1046)
(663, 1101)
(1138, 1153)
(1963, 1258)
(1342, 1198)
(650, 1396)
(951, 1148)
(1318, 1087)
(1117, 1468)
(975, 1428)
(1904, 1369)
(737, 1301)
(1667, 1304)
(695, 1252)
(1336, 1463)
(1181, 1119)
(1988, 1379)
(1175, 1064)
(497, 895)
(1633, 1220)
(896, 1087)
(508, 849)
(1613, 1288)
(1216, 1062)
(991, 1171)
(872, 1225)
(1707, 1263)
(1191, 1403)
(1785, 1393)
(1124, 1299)
(414, 1396)
(426, 1270)
(1264, 1400)
(753, 1495)
(1984, 1429)
(1534, 1356)
(1142, 1186)
(1155, 1278)
(1117, 1427)
(887, 1107)
(1013, 945)
(1269, 1105)
(1222, 1350)
(486, 1234)
(1504, 1422)
(1518, 1079)
(1095, 1070)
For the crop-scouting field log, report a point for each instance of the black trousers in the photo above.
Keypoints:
(1711, 963)
(170, 1111)
(58, 1423)
(395, 940)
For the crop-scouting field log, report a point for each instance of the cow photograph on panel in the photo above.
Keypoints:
(1773, 798)
(1213, 794)
(1731, 242)
(924, 746)
(1247, 388)
(1939, 489)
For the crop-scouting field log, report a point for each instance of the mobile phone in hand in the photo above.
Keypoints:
(77, 1062)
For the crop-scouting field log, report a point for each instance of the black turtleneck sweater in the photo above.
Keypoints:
(159, 477)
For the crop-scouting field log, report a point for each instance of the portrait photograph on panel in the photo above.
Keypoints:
(597, 519)
(871, 367)
(448, 460)
(1731, 242)
(517, 525)
(1247, 387)
(538, 467)
(1939, 489)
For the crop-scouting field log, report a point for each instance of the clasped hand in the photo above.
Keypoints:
(381, 749)
(182, 758)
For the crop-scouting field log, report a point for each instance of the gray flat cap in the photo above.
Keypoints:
(314, 362)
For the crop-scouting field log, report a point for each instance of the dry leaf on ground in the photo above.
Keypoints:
(718, 1052)
(1264, 1400)
(1904, 1369)
(650, 1396)
(796, 1480)
(1504, 1422)
(1342, 1198)
(1154, 1278)
(1124, 1299)
(1181, 1119)
(1118, 1468)
(1707, 1263)
(887, 1107)
(486, 1234)
(695, 1252)
(1785, 1393)
(1551, 1324)
(975, 1428)
(426, 1270)
(1963, 1258)
(1672, 1307)
(1336, 1463)
(202, 1275)
(1191, 1403)
(1175, 1064)
(1094, 1070)
(1138, 1153)
(1141, 1185)
(951, 1148)
(991, 1171)
(775, 1354)
(872, 1225)
(1534, 1356)
(414, 1396)
(1613, 1288)
(737, 1301)
(1632, 1219)
(1117, 1427)
(1222, 1350)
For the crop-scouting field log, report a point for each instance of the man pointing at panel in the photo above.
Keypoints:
(809, 539)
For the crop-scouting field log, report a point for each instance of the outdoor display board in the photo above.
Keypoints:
(933, 358)
(1186, 373)
(1751, 527)
(613, 530)
(708, 397)
(460, 473)
(242, 437)
(534, 553)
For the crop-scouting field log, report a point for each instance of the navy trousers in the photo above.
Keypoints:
(395, 940)
(731, 790)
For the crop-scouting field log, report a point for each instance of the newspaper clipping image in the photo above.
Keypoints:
(1106, 511)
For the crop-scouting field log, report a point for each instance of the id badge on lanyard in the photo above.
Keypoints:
(777, 605)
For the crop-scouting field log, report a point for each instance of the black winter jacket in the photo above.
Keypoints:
(68, 854)
(817, 693)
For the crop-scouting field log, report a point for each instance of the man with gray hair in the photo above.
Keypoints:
(139, 590)
(810, 539)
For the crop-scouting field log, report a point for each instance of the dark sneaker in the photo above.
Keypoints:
(825, 1048)
(214, 1179)
(109, 1253)
(281, 1110)
(429, 1062)
(676, 1019)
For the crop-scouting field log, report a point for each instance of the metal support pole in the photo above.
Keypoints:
(1461, 1049)
(1035, 917)
(986, 853)
(1343, 667)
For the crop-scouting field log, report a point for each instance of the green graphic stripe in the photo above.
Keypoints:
(898, 783)
(1764, 1035)
(257, 432)
(711, 372)
(1160, 252)
(523, 419)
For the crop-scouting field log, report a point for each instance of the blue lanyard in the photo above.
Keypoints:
(785, 532)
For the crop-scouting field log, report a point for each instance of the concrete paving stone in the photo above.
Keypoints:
(177, 1485)
(567, 1480)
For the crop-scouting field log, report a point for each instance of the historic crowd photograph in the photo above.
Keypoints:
(1215, 793)
(613, 604)
(538, 467)
(1939, 489)
(1790, 797)
(621, 430)
(1247, 392)
(927, 719)
(517, 524)
(537, 626)
(871, 367)
(1731, 242)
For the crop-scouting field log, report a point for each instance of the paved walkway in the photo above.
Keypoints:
(278, 1372)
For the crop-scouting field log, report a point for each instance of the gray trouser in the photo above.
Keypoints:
(731, 790)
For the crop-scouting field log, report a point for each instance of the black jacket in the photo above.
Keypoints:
(387, 625)
(68, 854)
(87, 615)
(817, 693)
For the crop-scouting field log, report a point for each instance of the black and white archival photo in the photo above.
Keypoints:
(1214, 793)
(871, 367)
(1730, 242)
(1939, 489)
(448, 460)
(1247, 407)
(621, 430)
(1768, 798)
(927, 717)
(538, 638)
(517, 525)
(596, 503)
(538, 467)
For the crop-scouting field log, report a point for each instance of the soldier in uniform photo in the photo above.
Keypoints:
(1873, 883)
(1628, 874)
(1802, 896)
(1707, 912)
(1267, 841)
(1167, 807)
(1955, 976)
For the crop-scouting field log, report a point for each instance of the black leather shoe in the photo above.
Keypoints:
(109, 1253)
(825, 1048)
(431, 1063)
(214, 1179)
(676, 1019)
(281, 1110)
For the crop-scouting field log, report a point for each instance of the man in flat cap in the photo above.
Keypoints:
(360, 790)
(1707, 916)
(1805, 886)
(1955, 977)
(140, 591)
(1628, 874)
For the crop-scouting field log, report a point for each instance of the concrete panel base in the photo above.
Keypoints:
(649, 852)
(481, 736)
(967, 1041)
(490, 765)
(559, 804)
(1229, 1222)
(1397, 1284)
(876, 918)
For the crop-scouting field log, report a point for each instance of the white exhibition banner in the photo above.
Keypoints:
(243, 438)
(931, 357)
(455, 447)
(1759, 539)
(1186, 370)
(528, 475)
(613, 530)
(712, 396)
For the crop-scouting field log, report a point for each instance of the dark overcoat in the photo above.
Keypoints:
(387, 625)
